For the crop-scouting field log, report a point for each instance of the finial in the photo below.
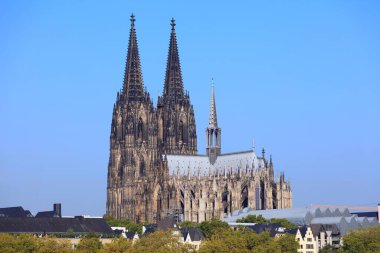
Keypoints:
(263, 152)
(212, 82)
(253, 145)
(133, 18)
(173, 23)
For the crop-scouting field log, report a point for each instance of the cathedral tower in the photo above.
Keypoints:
(135, 166)
(213, 132)
(176, 122)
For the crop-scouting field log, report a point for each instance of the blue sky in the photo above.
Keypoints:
(302, 78)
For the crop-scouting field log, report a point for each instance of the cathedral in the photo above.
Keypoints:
(154, 167)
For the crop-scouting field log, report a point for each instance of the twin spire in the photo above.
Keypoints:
(173, 88)
(133, 87)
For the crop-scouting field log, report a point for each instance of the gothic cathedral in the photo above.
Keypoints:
(154, 167)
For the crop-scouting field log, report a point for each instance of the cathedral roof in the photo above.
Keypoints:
(192, 164)
(54, 225)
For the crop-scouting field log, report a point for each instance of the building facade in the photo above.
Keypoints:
(154, 167)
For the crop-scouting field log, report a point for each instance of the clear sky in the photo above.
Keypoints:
(302, 78)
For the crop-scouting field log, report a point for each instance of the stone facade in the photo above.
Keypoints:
(154, 169)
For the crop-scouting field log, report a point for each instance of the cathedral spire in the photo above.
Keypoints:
(213, 121)
(173, 88)
(213, 132)
(133, 88)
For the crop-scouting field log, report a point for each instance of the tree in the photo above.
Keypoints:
(209, 228)
(89, 245)
(328, 249)
(25, 243)
(118, 245)
(225, 241)
(188, 224)
(161, 242)
(124, 222)
(261, 220)
(49, 245)
(8, 243)
(362, 241)
(252, 219)
(287, 243)
(283, 223)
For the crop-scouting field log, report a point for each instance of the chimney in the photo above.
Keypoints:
(57, 210)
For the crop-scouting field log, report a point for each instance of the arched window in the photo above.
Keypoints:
(140, 129)
(159, 206)
(244, 197)
(181, 131)
(262, 195)
(225, 200)
(142, 167)
(182, 200)
(257, 198)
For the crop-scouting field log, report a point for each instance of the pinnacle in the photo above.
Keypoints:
(213, 121)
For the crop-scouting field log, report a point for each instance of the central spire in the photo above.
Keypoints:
(213, 121)
(173, 89)
(213, 132)
(133, 83)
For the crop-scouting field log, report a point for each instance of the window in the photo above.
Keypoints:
(244, 197)
(309, 246)
(257, 198)
(140, 129)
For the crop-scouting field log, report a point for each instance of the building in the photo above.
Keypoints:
(341, 217)
(57, 212)
(308, 243)
(15, 212)
(154, 166)
(15, 220)
(327, 234)
(192, 236)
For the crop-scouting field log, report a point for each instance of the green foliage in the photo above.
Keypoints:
(89, 245)
(261, 220)
(128, 224)
(252, 219)
(209, 228)
(225, 241)
(49, 245)
(161, 242)
(328, 249)
(29, 244)
(188, 224)
(288, 243)
(362, 241)
(283, 222)
(245, 240)
(220, 239)
(120, 245)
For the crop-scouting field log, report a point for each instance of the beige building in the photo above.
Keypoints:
(308, 243)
